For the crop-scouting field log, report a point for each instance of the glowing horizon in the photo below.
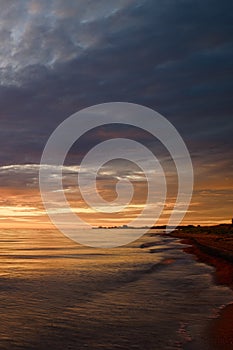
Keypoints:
(21, 205)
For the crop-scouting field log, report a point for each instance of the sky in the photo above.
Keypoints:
(59, 57)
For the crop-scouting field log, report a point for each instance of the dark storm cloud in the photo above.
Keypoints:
(57, 57)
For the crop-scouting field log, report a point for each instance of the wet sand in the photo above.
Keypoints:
(215, 250)
(221, 330)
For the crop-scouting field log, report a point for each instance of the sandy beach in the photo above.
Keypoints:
(214, 249)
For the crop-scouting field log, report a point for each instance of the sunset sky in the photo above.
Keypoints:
(59, 57)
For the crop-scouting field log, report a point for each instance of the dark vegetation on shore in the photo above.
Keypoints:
(217, 229)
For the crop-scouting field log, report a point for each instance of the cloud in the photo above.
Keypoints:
(47, 32)
(57, 57)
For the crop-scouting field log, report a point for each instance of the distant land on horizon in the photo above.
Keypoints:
(125, 227)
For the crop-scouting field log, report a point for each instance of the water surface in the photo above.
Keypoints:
(56, 294)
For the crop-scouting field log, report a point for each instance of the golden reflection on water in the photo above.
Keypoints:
(56, 294)
(27, 253)
(47, 282)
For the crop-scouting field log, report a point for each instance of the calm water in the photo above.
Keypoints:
(55, 294)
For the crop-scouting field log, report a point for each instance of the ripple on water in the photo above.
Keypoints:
(84, 298)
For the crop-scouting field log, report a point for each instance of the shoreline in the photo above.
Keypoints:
(215, 250)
